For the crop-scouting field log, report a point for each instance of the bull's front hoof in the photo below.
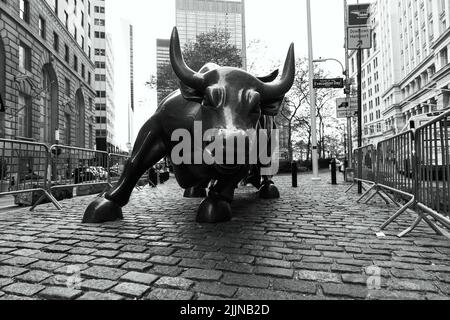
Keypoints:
(195, 192)
(102, 210)
(269, 191)
(213, 210)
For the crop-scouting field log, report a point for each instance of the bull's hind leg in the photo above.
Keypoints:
(268, 189)
(197, 191)
(148, 150)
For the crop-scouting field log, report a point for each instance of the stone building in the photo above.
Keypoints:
(46, 71)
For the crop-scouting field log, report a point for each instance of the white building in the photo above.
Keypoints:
(409, 73)
(194, 17)
(104, 81)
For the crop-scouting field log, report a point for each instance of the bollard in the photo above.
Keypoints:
(333, 172)
(294, 174)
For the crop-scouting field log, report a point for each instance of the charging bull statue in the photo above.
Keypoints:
(216, 99)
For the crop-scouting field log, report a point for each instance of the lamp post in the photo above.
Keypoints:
(315, 158)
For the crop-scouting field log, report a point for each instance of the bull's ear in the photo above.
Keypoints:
(272, 108)
(190, 94)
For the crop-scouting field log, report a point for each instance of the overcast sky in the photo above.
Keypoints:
(276, 23)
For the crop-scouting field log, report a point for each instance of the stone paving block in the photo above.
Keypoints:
(266, 295)
(134, 256)
(245, 280)
(59, 293)
(11, 271)
(412, 274)
(19, 261)
(137, 266)
(394, 295)
(103, 273)
(114, 263)
(412, 285)
(24, 252)
(130, 289)
(215, 289)
(166, 270)
(170, 294)
(138, 277)
(23, 289)
(98, 285)
(273, 263)
(49, 256)
(193, 263)
(345, 290)
(4, 282)
(275, 272)
(200, 274)
(174, 283)
(97, 296)
(235, 267)
(171, 261)
(299, 286)
(77, 259)
(45, 265)
(34, 276)
(318, 276)
(311, 266)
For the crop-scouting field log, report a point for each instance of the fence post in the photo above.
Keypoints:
(294, 174)
(333, 172)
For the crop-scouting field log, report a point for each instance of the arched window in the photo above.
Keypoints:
(80, 114)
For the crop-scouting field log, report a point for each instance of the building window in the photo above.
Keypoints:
(24, 10)
(67, 86)
(82, 18)
(42, 27)
(82, 42)
(24, 57)
(24, 129)
(75, 63)
(89, 78)
(68, 129)
(66, 53)
(83, 71)
(66, 21)
(55, 42)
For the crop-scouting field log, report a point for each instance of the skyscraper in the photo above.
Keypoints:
(162, 61)
(194, 17)
(104, 81)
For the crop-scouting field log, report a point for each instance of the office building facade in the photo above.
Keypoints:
(194, 17)
(46, 71)
(406, 73)
(104, 81)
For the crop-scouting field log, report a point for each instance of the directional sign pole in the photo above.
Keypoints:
(347, 79)
(359, 119)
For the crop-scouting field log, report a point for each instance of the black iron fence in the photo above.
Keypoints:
(411, 169)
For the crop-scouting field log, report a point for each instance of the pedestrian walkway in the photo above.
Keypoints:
(313, 243)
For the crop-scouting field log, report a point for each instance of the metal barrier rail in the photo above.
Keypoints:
(415, 166)
(116, 165)
(433, 168)
(366, 157)
(24, 168)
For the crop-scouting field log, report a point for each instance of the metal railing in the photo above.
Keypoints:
(412, 170)
(24, 169)
(30, 168)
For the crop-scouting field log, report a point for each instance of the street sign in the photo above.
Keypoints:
(347, 108)
(359, 38)
(337, 83)
(358, 15)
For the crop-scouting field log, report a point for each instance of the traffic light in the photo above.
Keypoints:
(347, 87)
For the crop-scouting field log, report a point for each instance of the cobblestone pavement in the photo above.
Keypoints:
(313, 243)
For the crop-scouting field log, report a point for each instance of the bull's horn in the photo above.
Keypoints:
(183, 72)
(279, 88)
(271, 77)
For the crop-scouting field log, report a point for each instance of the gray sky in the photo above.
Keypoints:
(276, 23)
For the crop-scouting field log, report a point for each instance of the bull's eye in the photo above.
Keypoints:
(213, 97)
(254, 101)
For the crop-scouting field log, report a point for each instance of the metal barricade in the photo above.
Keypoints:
(24, 169)
(78, 167)
(116, 165)
(366, 158)
(433, 168)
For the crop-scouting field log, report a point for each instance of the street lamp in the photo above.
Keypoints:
(344, 72)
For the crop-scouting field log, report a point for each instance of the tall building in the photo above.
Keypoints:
(104, 81)
(194, 17)
(162, 61)
(46, 71)
(411, 40)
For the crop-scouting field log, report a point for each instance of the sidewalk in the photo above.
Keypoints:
(313, 243)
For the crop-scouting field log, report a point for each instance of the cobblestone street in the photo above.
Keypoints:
(313, 243)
